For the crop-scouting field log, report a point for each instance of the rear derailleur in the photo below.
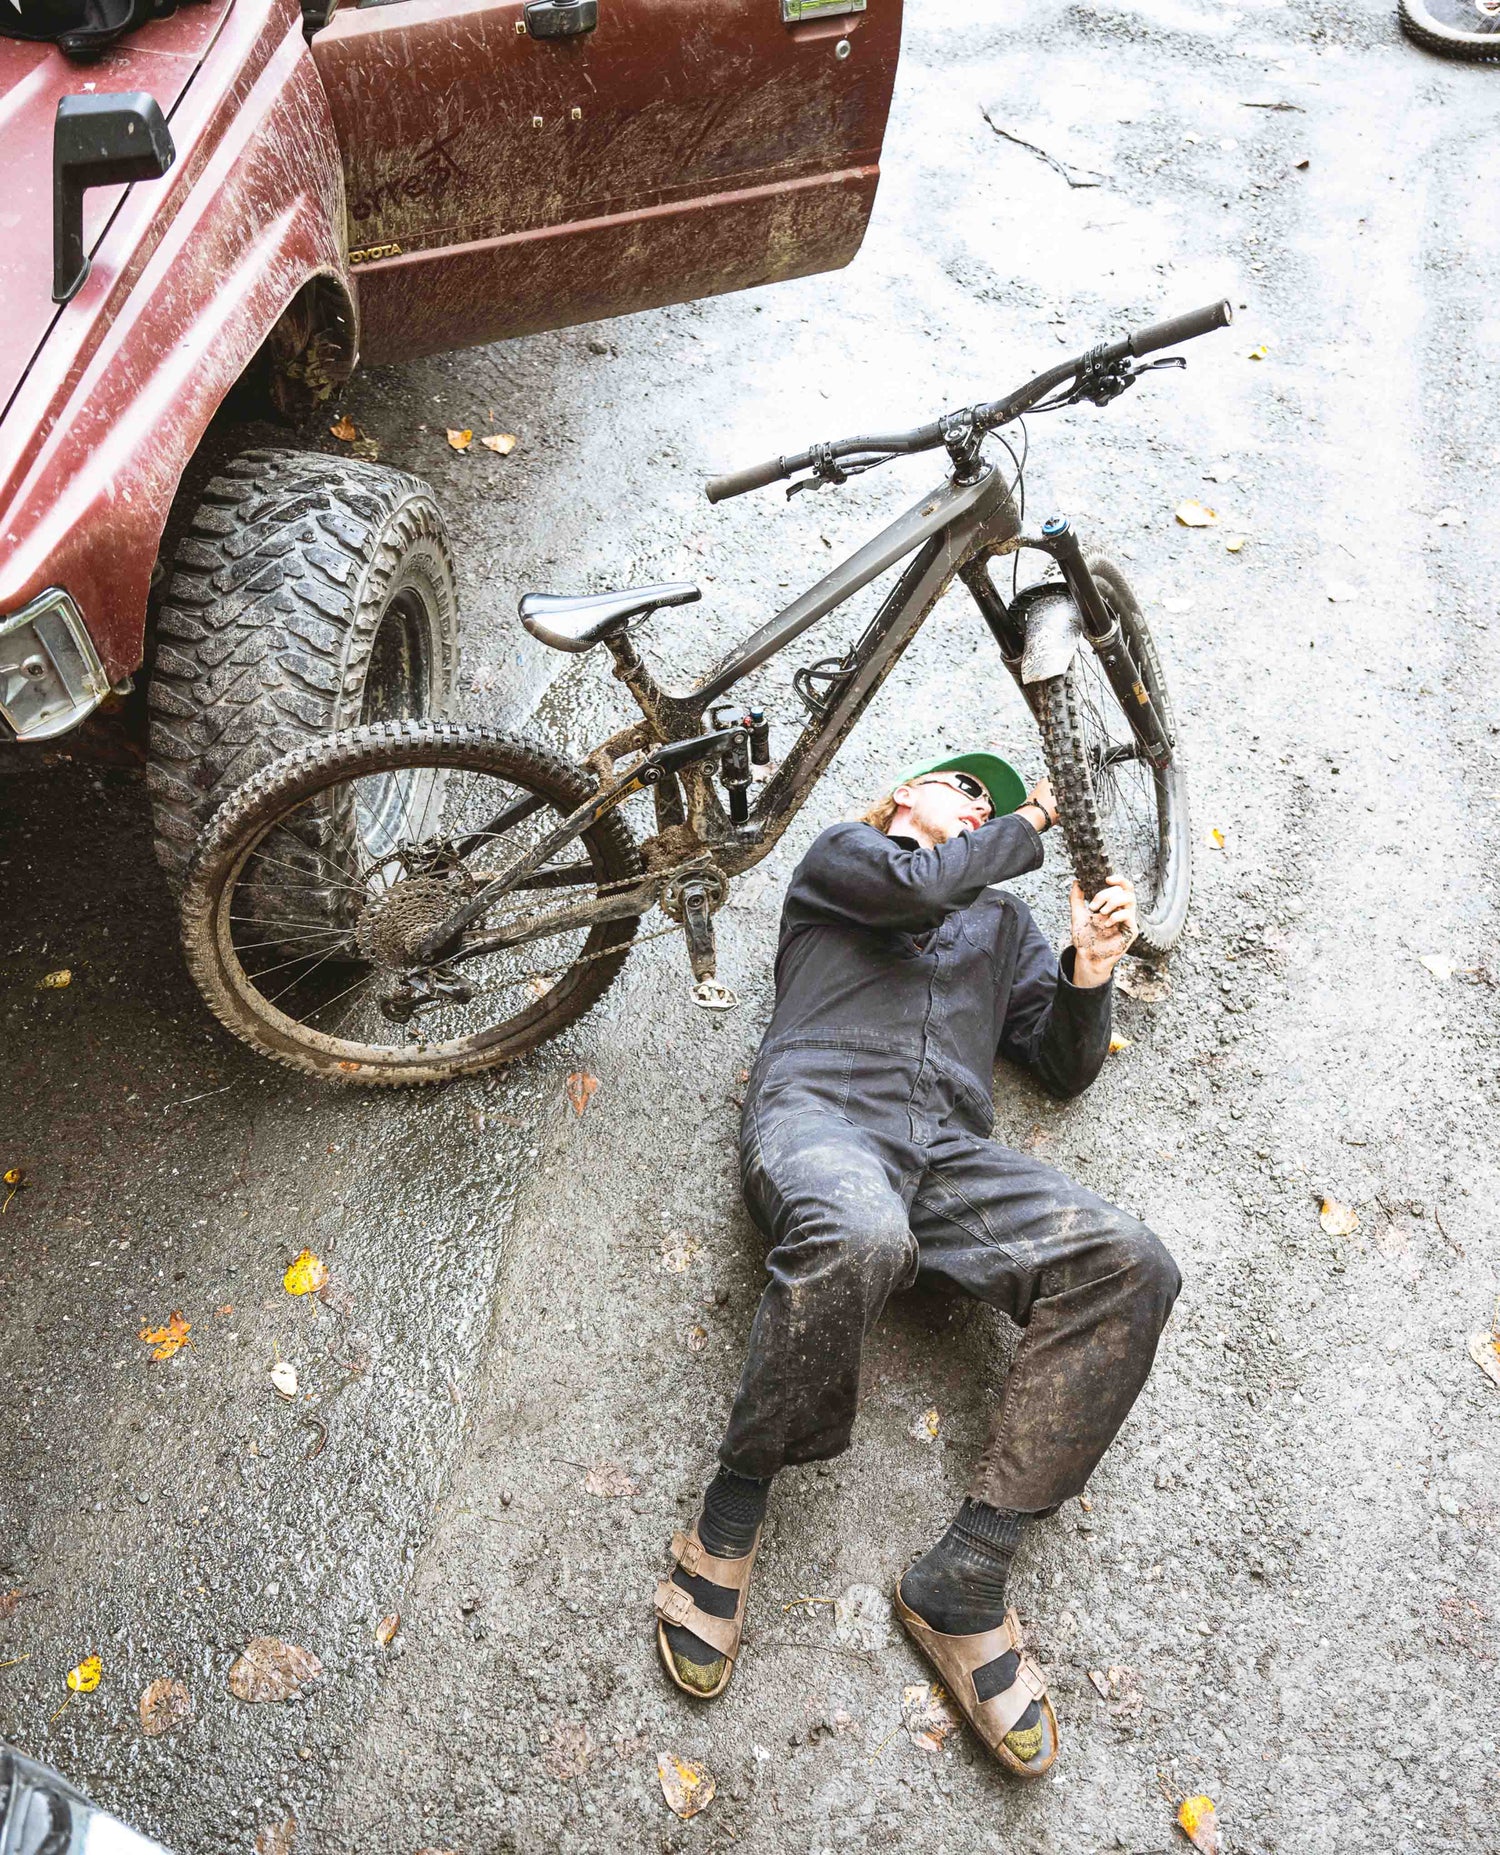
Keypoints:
(420, 988)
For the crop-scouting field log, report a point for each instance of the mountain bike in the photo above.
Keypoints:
(412, 901)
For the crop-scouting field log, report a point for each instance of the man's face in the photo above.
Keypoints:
(943, 804)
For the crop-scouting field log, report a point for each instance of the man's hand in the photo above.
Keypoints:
(1040, 805)
(1102, 930)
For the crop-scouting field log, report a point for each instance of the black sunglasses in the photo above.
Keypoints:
(966, 783)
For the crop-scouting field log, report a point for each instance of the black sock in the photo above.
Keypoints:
(733, 1508)
(959, 1588)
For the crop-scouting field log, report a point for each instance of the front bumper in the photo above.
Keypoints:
(50, 673)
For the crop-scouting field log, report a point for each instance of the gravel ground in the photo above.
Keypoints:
(1286, 1579)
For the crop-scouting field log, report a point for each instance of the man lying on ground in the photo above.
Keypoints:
(866, 1159)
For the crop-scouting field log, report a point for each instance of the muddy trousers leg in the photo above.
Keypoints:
(1088, 1284)
(829, 1198)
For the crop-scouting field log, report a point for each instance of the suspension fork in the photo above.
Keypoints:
(1108, 641)
(1004, 627)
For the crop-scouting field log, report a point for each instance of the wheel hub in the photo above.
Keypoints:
(395, 924)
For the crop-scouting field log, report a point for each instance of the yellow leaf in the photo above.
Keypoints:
(346, 429)
(1258, 353)
(169, 1339)
(86, 1676)
(926, 1427)
(1338, 1220)
(306, 1275)
(926, 1715)
(1233, 543)
(1196, 515)
(1117, 1044)
(385, 1629)
(581, 1086)
(1485, 1353)
(688, 1788)
(1214, 839)
(1198, 1822)
(55, 982)
(460, 440)
(502, 444)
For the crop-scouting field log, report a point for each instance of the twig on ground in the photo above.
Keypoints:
(1065, 168)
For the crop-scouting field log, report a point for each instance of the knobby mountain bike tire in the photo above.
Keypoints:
(247, 964)
(1118, 814)
(1454, 28)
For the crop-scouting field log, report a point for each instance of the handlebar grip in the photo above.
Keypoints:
(738, 481)
(1182, 328)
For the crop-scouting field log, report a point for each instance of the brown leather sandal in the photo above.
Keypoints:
(957, 1657)
(674, 1605)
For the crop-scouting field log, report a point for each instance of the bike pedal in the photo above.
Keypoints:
(712, 995)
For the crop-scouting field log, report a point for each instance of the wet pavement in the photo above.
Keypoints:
(1286, 1580)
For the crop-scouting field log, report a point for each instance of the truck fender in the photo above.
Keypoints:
(1054, 630)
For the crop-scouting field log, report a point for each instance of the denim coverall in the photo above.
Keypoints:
(900, 975)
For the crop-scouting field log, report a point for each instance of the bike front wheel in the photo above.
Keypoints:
(314, 886)
(1120, 815)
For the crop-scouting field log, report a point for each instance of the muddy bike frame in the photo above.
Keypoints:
(698, 848)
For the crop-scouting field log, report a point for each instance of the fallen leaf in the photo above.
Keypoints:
(271, 1669)
(862, 1618)
(385, 1629)
(1129, 1697)
(581, 1086)
(55, 982)
(677, 1257)
(1448, 518)
(163, 1705)
(169, 1339)
(1214, 838)
(1258, 352)
(228, 1308)
(1338, 1220)
(569, 1750)
(1484, 1350)
(460, 440)
(277, 1838)
(697, 1339)
(1137, 981)
(346, 430)
(926, 1427)
(10, 1603)
(307, 1274)
(688, 1788)
(1117, 1044)
(608, 1480)
(1436, 965)
(1340, 592)
(14, 1180)
(1197, 1821)
(1196, 515)
(284, 1378)
(926, 1715)
(86, 1676)
(1101, 1684)
(502, 444)
(1233, 543)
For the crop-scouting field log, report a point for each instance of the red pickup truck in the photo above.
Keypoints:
(247, 194)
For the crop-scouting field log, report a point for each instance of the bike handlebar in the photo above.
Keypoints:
(999, 412)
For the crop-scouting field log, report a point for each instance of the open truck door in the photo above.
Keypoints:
(517, 165)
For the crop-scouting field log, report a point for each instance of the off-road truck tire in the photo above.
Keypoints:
(308, 594)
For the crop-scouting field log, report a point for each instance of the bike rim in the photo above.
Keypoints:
(1129, 793)
(317, 976)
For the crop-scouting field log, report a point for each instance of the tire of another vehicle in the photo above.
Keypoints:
(1065, 745)
(256, 807)
(1418, 21)
(310, 593)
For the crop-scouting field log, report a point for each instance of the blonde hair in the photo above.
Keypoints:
(880, 813)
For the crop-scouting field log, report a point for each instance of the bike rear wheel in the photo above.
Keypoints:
(1119, 814)
(316, 881)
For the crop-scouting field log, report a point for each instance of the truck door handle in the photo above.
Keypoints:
(561, 19)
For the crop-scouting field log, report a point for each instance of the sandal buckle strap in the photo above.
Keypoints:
(673, 1604)
(687, 1551)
